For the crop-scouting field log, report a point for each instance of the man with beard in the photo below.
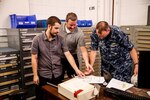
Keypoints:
(46, 50)
(74, 38)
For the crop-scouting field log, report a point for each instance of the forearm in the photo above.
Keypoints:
(34, 65)
(34, 68)
(135, 60)
(134, 56)
(71, 60)
(92, 57)
(85, 54)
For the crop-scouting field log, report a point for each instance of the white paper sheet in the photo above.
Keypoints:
(119, 84)
(93, 79)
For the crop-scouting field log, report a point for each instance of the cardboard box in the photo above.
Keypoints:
(76, 89)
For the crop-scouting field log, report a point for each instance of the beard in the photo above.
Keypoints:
(53, 34)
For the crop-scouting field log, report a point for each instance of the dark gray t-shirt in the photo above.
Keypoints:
(49, 55)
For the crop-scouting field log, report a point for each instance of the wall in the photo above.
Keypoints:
(126, 12)
(131, 12)
(45, 8)
(105, 10)
(8, 7)
(91, 10)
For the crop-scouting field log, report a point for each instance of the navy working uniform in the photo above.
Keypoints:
(115, 53)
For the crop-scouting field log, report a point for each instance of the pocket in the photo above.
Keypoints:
(57, 49)
(115, 51)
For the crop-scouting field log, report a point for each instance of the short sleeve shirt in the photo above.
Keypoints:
(115, 49)
(49, 55)
(73, 39)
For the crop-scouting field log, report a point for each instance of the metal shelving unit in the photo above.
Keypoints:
(21, 39)
(3, 38)
(143, 39)
(10, 76)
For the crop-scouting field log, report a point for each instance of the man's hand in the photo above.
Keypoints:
(36, 79)
(79, 73)
(136, 69)
(89, 69)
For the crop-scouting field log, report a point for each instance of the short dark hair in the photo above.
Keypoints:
(72, 16)
(52, 20)
(102, 26)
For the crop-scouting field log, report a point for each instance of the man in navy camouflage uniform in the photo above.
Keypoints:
(117, 52)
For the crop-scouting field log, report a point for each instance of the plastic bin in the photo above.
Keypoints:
(81, 23)
(62, 21)
(22, 21)
(41, 23)
(84, 23)
(89, 23)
